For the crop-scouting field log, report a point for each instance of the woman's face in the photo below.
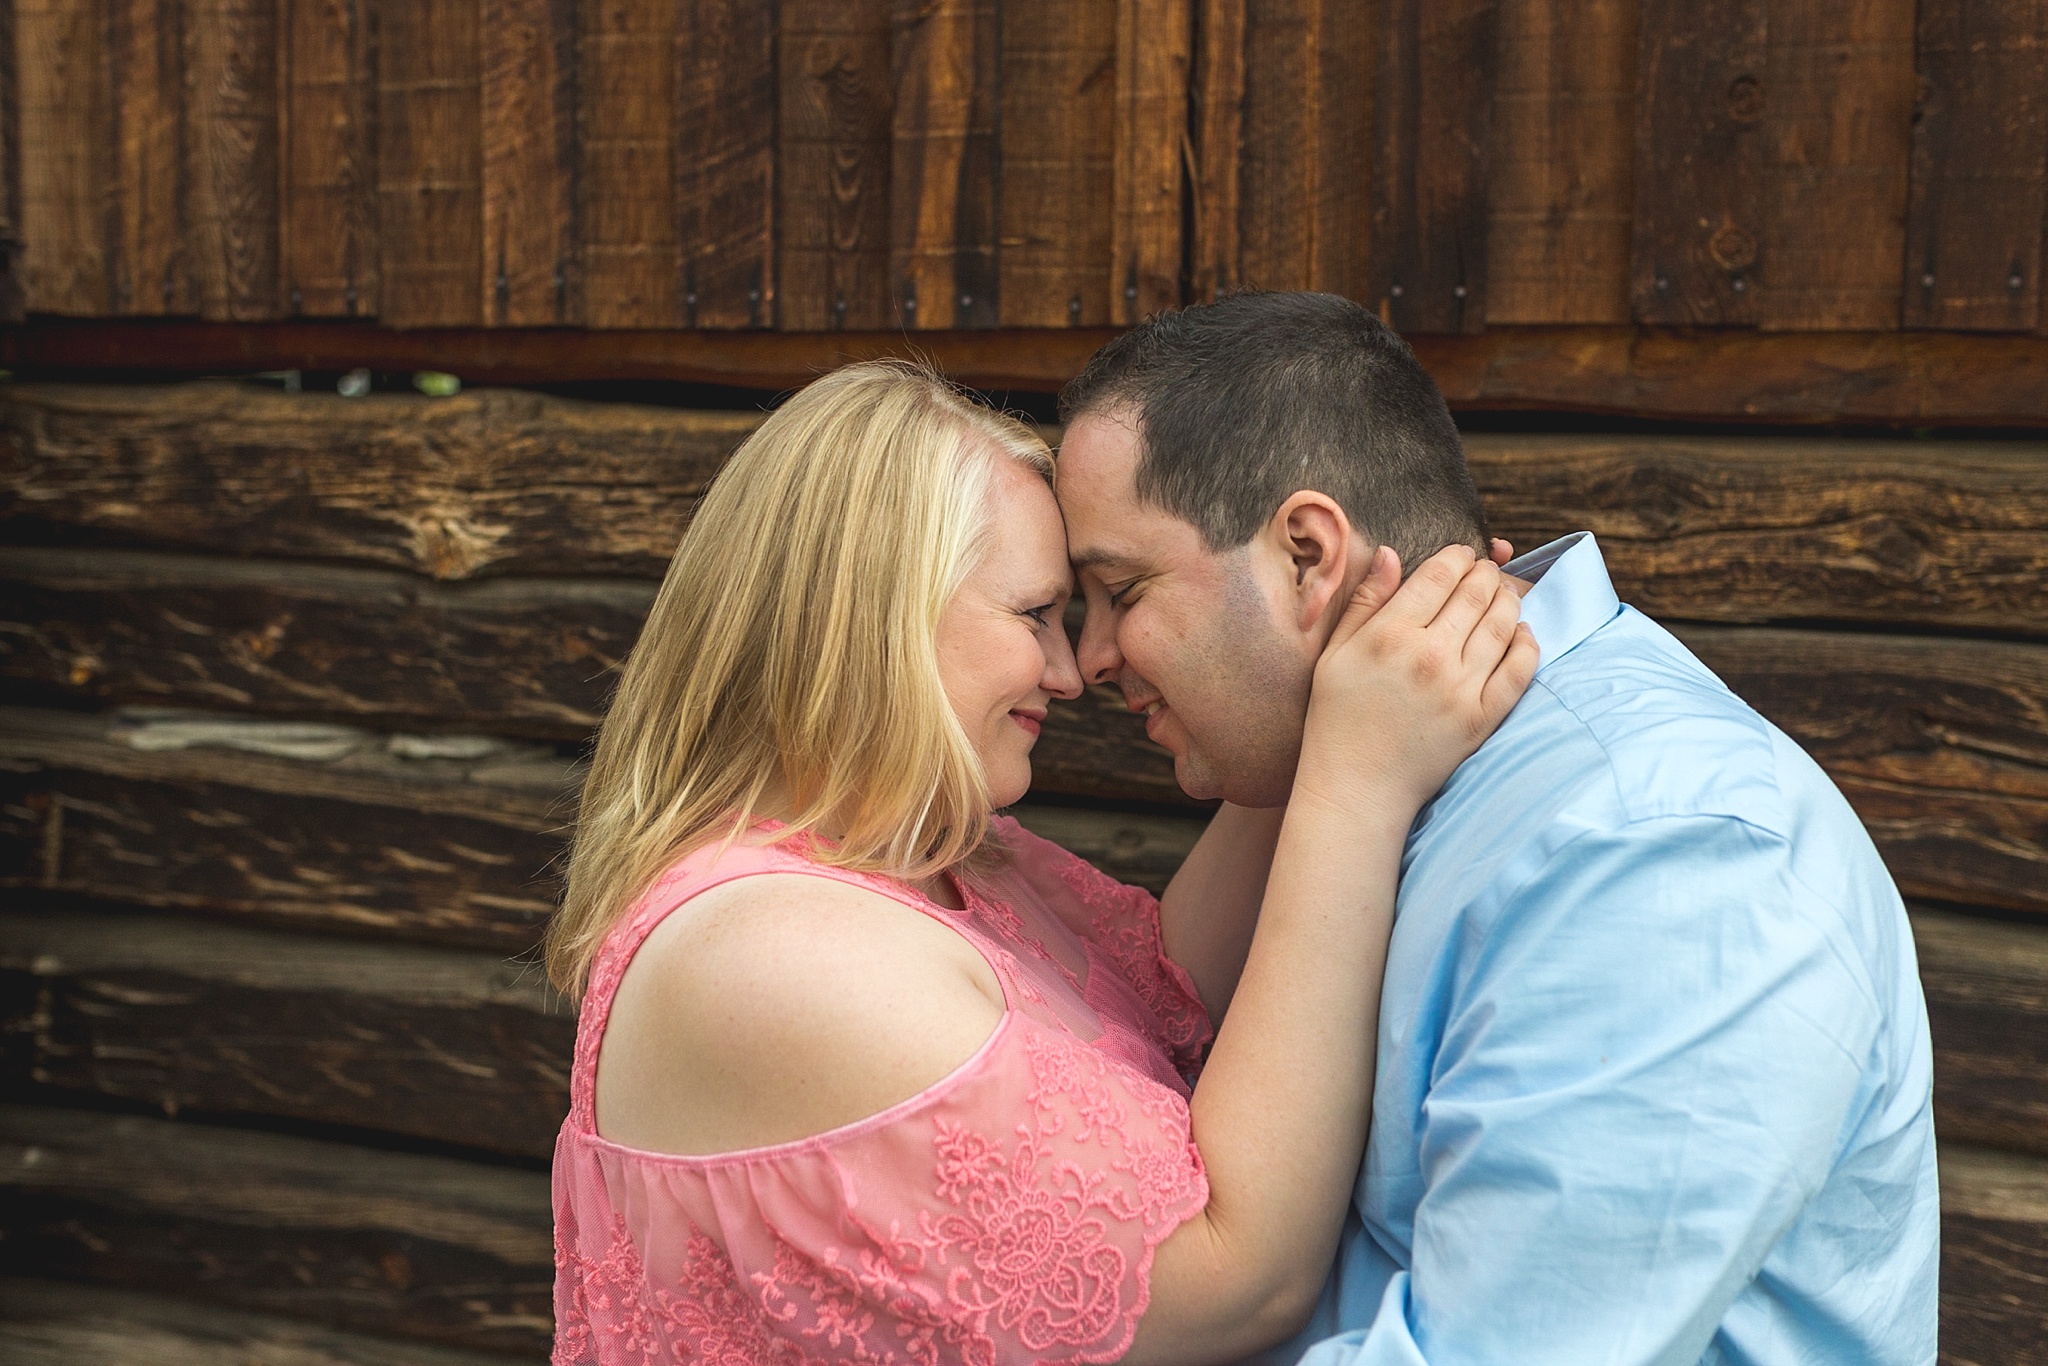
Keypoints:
(1003, 650)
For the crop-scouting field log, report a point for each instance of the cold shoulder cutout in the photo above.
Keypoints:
(1006, 1214)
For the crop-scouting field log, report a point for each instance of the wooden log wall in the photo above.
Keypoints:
(1555, 196)
(293, 690)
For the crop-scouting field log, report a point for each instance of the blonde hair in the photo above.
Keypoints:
(791, 652)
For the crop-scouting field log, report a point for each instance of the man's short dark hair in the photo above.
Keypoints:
(1241, 403)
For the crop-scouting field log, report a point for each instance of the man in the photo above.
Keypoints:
(1654, 1073)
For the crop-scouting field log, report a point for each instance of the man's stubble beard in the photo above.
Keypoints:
(1251, 745)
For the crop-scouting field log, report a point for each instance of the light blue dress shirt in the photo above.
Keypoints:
(1654, 1074)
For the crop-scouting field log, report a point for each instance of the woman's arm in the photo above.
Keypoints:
(1401, 697)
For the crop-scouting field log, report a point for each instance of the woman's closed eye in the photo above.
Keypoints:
(1041, 614)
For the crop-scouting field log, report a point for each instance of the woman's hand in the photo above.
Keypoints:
(1414, 678)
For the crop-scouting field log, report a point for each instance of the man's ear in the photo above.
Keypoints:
(1315, 536)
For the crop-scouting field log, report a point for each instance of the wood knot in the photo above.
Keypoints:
(1732, 248)
(1745, 99)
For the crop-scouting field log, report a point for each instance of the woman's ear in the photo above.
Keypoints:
(1315, 535)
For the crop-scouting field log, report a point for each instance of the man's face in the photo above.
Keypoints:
(1196, 639)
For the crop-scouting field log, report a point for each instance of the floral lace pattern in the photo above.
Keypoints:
(1007, 1215)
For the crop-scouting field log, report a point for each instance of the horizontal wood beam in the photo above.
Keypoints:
(1904, 378)
(55, 1323)
(1994, 1257)
(494, 481)
(403, 1245)
(1986, 984)
(433, 1043)
(449, 840)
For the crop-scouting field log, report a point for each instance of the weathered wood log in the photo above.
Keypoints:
(1806, 379)
(434, 1043)
(487, 481)
(446, 839)
(1994, 1258)
(53, 1323)
(441, 839)
(1943, 533)
(409, 1246)
(1986, 983)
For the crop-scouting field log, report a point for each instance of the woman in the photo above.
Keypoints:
(865, 1073)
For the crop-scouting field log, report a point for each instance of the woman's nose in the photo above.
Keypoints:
(1062, 675)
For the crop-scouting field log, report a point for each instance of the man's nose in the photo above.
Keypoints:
(1098, 655)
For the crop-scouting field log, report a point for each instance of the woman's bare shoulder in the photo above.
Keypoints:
(780, 1006)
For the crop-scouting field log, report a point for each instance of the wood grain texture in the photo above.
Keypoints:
(524, 656)
(1837, 135)
(1698, 247)
(328, 249)
(51, 1323)
(13, 307)
(1305, 182)
(146, 264)
(231, 122)
(528, 93)
(1980, 152)
(1942, 534)
(1986, 984)
(1432, 135)
(430, 162)
(67, 156)
(832, 165)
(1217, 129)
(1938, 533)
(1561, 183)
(626, 169)
(1058, 143)
(726, 98)
(490, 481)
(1994, 1255)
(446, 840)
(1154, 60)
(944, 189)
(407, 1246)
(438, 1044)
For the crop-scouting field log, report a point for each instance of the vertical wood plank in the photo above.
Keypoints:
(832, 165)
(11, 303)
(1561, 180)
(1697, 243)
(1432, 137)
(944, 192)
(1154, 53)
(1060, 82)
(429, 162)
(1219, 146)
(231, 162)
(529, 128)
(1973, 237)
(725, 162)
(1838, 120)
(66, 157)
(1305, 177)
(328, 235)
(625, 140)
(146, 267)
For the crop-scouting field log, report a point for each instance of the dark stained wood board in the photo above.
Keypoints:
(1802, 379)
(1980, 154)
(66, 158)
(454, 1046)
(329, 257)
(1948, 534)
(430, 162)
(945, 193)
(1994, 1256)
(527, 87)
(832, 165)
(13, 306)
(54, 1323)
(416, 1247)
(724, 113)
(1986, 983)
(231, 125)
(625, 174)
(1154, 59)
(149, 270)
(1561, 182)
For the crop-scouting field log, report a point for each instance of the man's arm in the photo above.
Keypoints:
(1648, 1062)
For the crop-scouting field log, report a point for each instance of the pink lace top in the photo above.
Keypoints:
(1007, 1214)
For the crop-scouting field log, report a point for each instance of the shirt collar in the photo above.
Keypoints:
(1572, 597)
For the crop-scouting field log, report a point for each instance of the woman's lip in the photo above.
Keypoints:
(1030, 721)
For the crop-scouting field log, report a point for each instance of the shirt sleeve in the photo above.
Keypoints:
(1644, 1076)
